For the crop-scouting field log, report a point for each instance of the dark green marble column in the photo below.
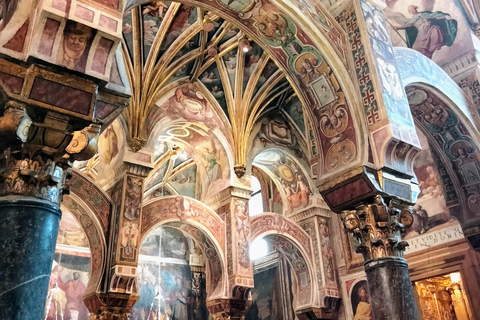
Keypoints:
(28, 234)
(390, 289)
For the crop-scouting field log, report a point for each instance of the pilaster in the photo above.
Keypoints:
(233, 209)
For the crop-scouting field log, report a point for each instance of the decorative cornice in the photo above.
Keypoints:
(463, 66)
(221, 198)
(310, 212)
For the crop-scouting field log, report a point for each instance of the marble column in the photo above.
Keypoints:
(28, 233)
(35, 159)
(378, 228)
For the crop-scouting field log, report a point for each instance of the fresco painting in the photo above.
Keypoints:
(430, 212)
(158, 176)
(436, 29)
(185, 181)
(289, 175)
(269, 298)
(230, 60)
(293, 107)
(360, 301)
(393, 93)
(110, 150)
(70, 273)
(213, 82)
(251, 60)
(75, 46)
(168, 287)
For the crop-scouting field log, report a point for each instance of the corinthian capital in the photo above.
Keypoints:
(36, 156)
(379, 227)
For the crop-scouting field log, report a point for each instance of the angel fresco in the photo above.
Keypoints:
(426, 31)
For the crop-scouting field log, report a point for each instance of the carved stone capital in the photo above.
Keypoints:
(111, 314)
(36, 156)
(379, 227)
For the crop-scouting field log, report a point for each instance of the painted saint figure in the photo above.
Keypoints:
(364, 310)
(426, 31)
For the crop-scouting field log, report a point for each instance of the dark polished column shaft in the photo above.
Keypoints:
(28, 234)
(391, 292)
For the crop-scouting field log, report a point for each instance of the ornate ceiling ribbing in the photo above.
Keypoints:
(205, 49)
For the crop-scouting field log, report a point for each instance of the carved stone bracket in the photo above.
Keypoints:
(378, 227)
(318, 313)
(111, 314)
(228, 309)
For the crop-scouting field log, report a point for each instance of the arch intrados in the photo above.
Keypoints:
(464, 118)
(268, 235)
(96, 238)
(416, 69)
(219, 288)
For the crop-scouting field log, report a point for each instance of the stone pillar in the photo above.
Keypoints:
(378, 228)
(36, 150)
(316, 222)
(119, 283)
(232, 207)
(199, 293)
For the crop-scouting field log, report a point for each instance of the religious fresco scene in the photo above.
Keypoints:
(239, 159)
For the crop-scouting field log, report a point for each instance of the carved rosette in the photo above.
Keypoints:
(378, 227)
(36, 157)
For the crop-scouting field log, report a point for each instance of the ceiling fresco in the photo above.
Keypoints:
(237, 74)
(289, 176)
(437, 29)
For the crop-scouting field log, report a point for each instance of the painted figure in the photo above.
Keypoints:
(74, 290)
(364, 310)
(213, 168)
(179, 300)
(108, 144)
(426, 31)
(71, 53)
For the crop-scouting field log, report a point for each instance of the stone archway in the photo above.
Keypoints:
(295, 244)
(92, 208)
(198, 221)
(441, 111)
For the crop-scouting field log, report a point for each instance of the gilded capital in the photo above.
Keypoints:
(378, 227)
(36, 156)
